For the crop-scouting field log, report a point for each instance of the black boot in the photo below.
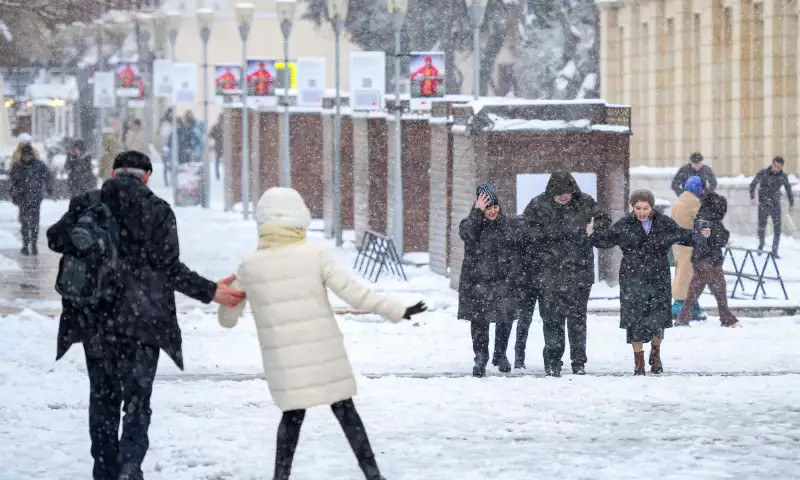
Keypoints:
(504, 365)
(25, 250)
(519, 363)
(371, 471)
(578, 370)
(552, 371)
(34, 247)
(479, 370)
(131, 472)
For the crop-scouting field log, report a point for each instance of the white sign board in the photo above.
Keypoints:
(530, 185)
(367, 80)
(184, 81)
(162, 78)
(104, 90)
(310, 81)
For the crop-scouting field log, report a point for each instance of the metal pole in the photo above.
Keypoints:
(244, 30)
(146, 59)
(477, 18)
(174, 135)
(205, 34)
(398, 224)
(286, 160)
(338, 25)
(101, 65)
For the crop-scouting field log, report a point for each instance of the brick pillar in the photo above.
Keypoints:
(265, 159)
(306, 142)
(370, 147)
(347, 171)
(232, 156)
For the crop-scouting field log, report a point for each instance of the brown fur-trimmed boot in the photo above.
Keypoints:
(655, 360)
(638, 358)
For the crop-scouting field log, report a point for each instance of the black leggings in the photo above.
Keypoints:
(345, 411)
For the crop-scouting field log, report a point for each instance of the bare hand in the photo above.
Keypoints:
(226, 295)
(482, 202)
(590, 227)
(706, 232)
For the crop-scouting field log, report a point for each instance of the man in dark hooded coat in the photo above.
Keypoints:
(559, 224)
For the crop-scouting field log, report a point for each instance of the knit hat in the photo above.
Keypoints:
(489, 191)
(284, 207)
(643, 196)
(694, 184)
(133, 159)
(696, 157)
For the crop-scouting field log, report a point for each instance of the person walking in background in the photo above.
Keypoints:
(769, 181)
(80, 173)
(134, 137)
(305, 362)
(560, 223)
(684, 212)
(164, 132)
(110, 152)
(645, 237)
(695, 167)
(217, 134)
(198, 135)
(30, 182)
(486, 288)
(711, 237)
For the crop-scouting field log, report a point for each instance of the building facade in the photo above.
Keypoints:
(715, 76)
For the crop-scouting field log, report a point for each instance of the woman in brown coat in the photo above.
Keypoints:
(684, 212)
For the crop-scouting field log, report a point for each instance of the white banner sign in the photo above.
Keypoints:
(367, 80)
(310, 81)
(104, 96)
(184, 81)
(162, 78)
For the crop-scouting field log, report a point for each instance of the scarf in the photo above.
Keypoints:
(272, 235)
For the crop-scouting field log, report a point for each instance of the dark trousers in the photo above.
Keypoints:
(347, 415)
(557, 309)
(218, 161)
(712, 275)
(480, 341)
(121, 374)
(765, 211)
(29, 223)
(526, 310)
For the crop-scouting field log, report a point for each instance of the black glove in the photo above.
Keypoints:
(415, 309)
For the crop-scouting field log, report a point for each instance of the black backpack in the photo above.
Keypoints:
(88, 272)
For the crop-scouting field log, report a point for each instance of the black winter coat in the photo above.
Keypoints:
(644, 275)
(80, 176)
(769, 187)
(557, 233)
(30, 183)
(706, 174)
(487, 289)
(711, 250)
(150, 271)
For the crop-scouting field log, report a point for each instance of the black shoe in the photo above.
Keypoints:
(478, 371)
(578, 370)
(34, 249)
(25, 251)
(552, 371)
(371, 472)
(775, 255)
(519, 364)
(131, 472)
(504, 365)
(760, 249)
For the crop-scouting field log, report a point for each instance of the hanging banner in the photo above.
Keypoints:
(310, 81)
(162, 78)
(184, 78)
(104, 87)
(128, 77)
(367, 80)
(426, 74)
(262, 79)
(226, 79)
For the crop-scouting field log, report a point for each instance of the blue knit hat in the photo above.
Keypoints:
(695, 185)
(489, 191)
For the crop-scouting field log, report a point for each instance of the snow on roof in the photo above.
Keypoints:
(611, 128)
(501, 124)
(477, 105)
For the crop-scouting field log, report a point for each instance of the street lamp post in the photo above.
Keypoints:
(144, 27)
(244, 19)
(476, 11)
(159, 40)
(101, 66)
(205, 19)
(337, 11)
(174, 25)
(285, 10)
(398, 9)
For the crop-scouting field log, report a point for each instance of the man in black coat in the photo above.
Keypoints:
(122, 340)
(558, 225)
(695, 167)
(769, 181)
(30, 182)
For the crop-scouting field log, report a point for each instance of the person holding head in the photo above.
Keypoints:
(122, 338)
(645, 237)
(769, 181)
(695, 167)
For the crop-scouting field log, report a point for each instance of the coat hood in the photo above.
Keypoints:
(283, 207)
(17, 155)
(713, 207)
(561, 182)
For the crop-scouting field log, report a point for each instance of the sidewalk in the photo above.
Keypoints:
(36, 276)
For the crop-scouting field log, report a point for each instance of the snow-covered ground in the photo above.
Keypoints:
(727, 408)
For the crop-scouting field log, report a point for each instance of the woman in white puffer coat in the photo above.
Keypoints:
(286, 281)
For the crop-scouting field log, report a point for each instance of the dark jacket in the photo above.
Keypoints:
(711, 249)
(80, 175)
(217, 134)
(644, 275)
(557, 233)
(706, 174)
(769, 187)
(486, 289)
(30, 183)
(150, 271)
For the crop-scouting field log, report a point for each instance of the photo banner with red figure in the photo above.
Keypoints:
(262, 77)
(127, 79)
(426, 75)
(227, 79)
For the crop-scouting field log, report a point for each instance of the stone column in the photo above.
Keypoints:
(761, 95)
(607, 31)
(710, 88)
(682, 92)
(739, 34)
(651, 89)
(791, 79)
